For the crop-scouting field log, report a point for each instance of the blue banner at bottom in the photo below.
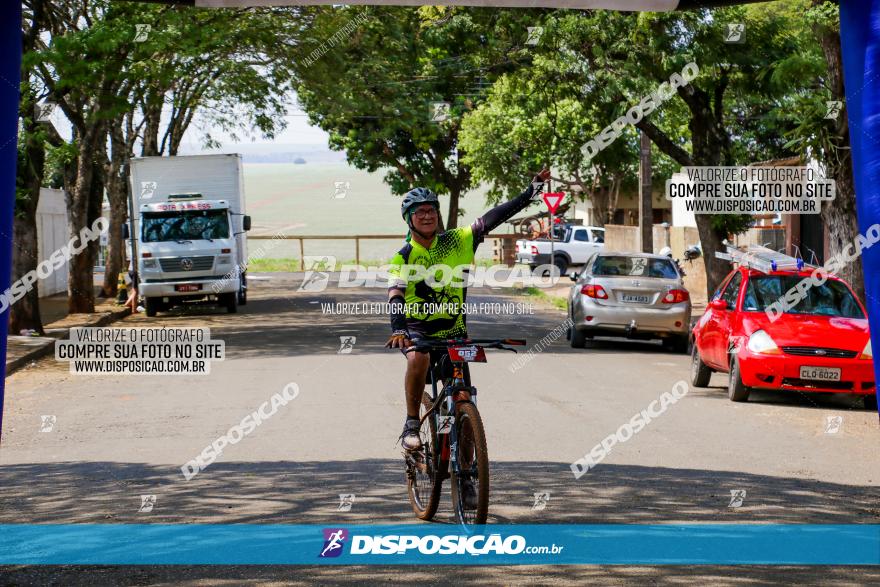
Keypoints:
(618, 544)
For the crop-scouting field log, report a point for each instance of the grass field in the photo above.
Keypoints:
(303, 200)
(558, 302)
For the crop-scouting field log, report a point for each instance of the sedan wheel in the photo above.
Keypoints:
(578, 339)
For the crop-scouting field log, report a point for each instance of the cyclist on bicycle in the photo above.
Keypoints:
(427, 246)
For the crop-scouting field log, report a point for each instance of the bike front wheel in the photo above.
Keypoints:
(470, 479)
(424, 477)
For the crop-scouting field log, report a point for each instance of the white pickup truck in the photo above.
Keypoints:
(575, 245)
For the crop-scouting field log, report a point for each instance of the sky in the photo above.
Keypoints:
(298, 133)
(298, 136)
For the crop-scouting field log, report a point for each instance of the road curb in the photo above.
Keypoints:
(43, 345)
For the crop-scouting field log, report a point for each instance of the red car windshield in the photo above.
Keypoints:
(832, 298)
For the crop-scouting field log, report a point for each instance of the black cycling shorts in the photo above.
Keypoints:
(442, 368)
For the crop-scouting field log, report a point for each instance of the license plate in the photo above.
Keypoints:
(634, 299)
(820, 373)
(188, 287)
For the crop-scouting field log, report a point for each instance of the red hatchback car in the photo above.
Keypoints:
(819, 345)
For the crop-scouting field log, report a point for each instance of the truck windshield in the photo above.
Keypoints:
(832, 298)
(185, 225)
(612, 265)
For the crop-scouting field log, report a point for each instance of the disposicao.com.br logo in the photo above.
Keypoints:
(334, 539)
(411, 544)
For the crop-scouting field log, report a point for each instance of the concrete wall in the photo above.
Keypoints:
(627, 201)
(51, 236)
(680, 215)
(621, 238)
(678, 238)
(772, 237)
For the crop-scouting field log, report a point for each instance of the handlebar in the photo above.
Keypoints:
(489, 343)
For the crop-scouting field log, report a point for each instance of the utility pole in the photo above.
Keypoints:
(645, 207)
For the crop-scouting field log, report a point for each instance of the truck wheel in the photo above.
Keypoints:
(561, 264)
(151, 306)
(231, 302)
(700, 373)
(736, 391)
(870, 402)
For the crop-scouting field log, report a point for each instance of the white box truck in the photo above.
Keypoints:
(189, 226)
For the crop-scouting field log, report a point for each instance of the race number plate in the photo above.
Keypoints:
(467, 354)
(820, 373)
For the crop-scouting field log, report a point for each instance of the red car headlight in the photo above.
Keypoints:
(760, 342)
(867, 353)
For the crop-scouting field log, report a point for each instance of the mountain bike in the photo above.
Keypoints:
(451, 430)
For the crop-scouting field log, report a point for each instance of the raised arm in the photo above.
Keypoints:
(503, 212)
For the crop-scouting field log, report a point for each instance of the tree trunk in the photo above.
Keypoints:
(452, 218)
(614, 196)
(115, 263)
(84, 207)
(152, 116)
(80, 297)
(117, 196)
(25, 314)
(599, 200)
(842, 224)
(710, 241)
(178, 130)
(839, 216)
(708, 138)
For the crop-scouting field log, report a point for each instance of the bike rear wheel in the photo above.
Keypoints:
(424, 477)
(471, 507)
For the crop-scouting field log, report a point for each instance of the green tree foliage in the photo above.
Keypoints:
(372, 90)
(119, 71)
(592, 66)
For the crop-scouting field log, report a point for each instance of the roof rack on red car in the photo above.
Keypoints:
(762, 259)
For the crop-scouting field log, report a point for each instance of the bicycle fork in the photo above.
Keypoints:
(454, 393)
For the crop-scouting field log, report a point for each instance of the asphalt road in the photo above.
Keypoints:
(116, 438)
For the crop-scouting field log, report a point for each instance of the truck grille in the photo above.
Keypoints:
(812, 351)
(180, 264)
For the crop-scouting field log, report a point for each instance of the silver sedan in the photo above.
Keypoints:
(635, 295)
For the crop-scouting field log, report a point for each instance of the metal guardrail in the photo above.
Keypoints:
(357, 238)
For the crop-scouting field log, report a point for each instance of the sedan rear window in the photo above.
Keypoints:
(832, 298)
(611, 265)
